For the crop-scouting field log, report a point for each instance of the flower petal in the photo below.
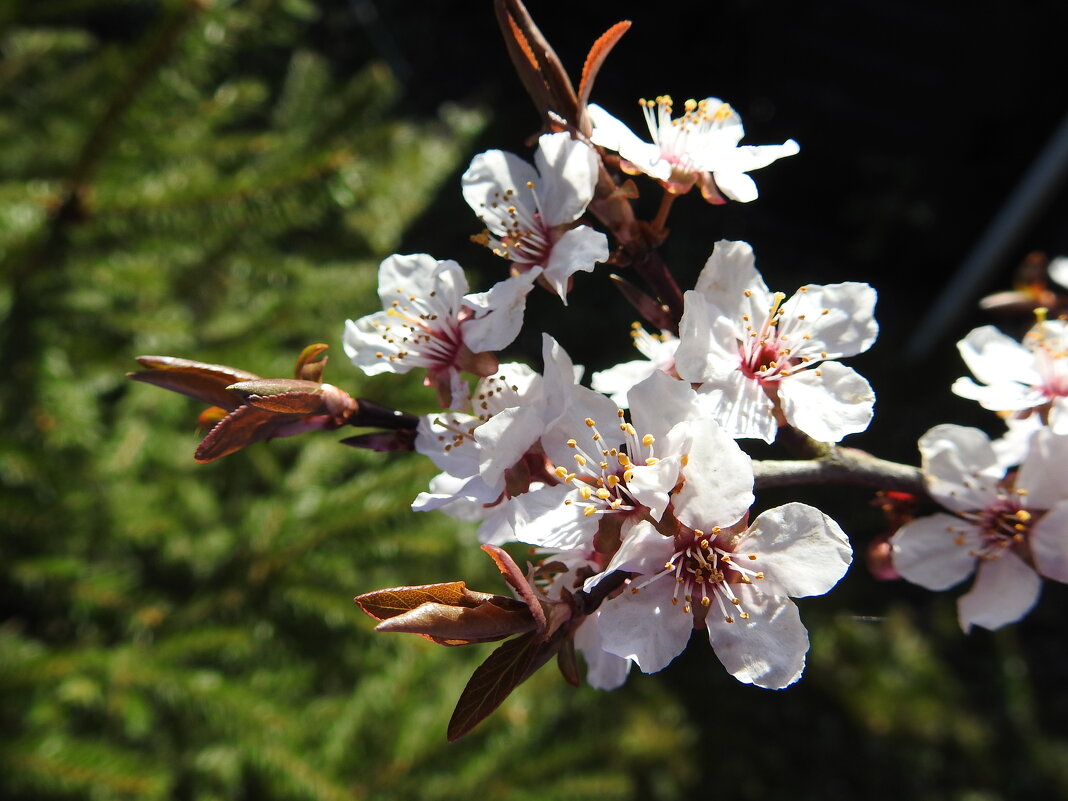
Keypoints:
(828, 402)
(800, 549)
(839, 320)
(726, 277)
(926, 551)
(568, 175)
(740, 405)
(645, 626)
(578, 250)
(1049, 543)
(718, 485)
(610, 133)
(769, 648)
(1043, 475)
(995, 358)
(1005, 590)
(960, 467)
(604, 671)
(498, 313)
(490, 176)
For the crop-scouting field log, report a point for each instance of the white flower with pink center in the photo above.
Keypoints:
(614, 473)
(1019, 377)
(429, 321)
(1007, 529)
(700, 147)
(530, 211)
(764, 360)
(714, 572)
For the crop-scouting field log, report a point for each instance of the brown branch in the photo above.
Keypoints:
(841, 466)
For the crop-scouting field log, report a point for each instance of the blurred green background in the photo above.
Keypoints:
(218, 180)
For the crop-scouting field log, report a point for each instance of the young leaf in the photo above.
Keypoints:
(492, 682)
(595, 58)
(460, 625)
(197, 380)
(384, 604)
(309, 366)
(518, 581)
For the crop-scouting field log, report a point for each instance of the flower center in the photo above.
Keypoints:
(436, 340)
(679, 139)
(601, 473)
(1002, 525)
(705, 571)
(525, 239)
(777, 344)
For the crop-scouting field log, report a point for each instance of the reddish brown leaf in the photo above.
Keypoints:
(203, 382)
(461, 625)
(568, 662)
(384, 604)
(282, 395)
(242, 427)
(518, 581)
(492, 682)
(506, 668)
(595, 58)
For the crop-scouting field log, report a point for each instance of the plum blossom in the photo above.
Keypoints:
(763, 360)
(1007, 529)
(429, 321)
(1019, 377)
(659, 352)
(731, 579)
(530, 211)
(613, 474)
(700, 147)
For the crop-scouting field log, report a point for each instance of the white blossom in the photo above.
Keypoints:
(1008, 531)
(429, 320)
(763, 360)
(1018, 377)
(659, 352)
(530, 211)
(700, 147)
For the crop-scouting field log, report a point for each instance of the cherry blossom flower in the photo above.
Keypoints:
(429, 321)
(1019, 377)
(763, 360)
(659, 352)
(717, 573)
(614, 474)
(700, 147)
(1008, 530)
(530, 211)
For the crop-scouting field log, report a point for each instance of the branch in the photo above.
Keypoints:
(841, 466)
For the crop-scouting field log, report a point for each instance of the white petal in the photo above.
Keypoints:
(736, 185)
(740, 405)
(364, 344)
(925, 551)
(540, 517)
(490, 175)
(504, 438)
(660, 402)
(645, 626)
(827, 402)
(799, 549)
(708, 341)
(498, 313)
(610, 133)
(718, 486)
(643, 550)
(839, 318)
(960, 467)
(568, 175)
(617, 381)
(1005, 590)
(578, 250)
(419, 275)
(753, 157)
(1044, 472)
(729, 272)
(1049, 543)
(1058, 270)
(995, 358)
(769, 648)
(1002, 397)
(604, 671)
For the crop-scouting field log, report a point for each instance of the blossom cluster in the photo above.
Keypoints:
(642, 475)
(633, 494)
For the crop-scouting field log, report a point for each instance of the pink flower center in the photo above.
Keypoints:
(704, 569)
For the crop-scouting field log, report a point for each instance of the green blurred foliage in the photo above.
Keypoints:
(200, 181)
